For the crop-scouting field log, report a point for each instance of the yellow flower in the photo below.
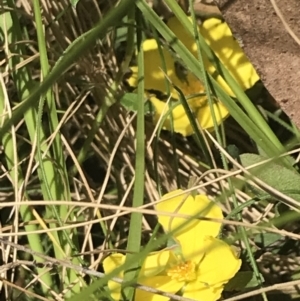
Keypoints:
(218, 35)
(204, 264)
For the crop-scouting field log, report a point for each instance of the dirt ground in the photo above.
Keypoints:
(270, 46)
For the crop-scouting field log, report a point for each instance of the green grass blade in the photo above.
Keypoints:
(9, 23)
(34, 240)
(135, 229)
(57, 176)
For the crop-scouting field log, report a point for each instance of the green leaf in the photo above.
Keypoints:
(241, 281)
(277, 176)
(266, 239)
(130, 102)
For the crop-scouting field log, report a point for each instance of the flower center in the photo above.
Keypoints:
(192, 87)
(183, 272)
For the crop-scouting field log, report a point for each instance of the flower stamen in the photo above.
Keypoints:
(191, 88)
(183, 272)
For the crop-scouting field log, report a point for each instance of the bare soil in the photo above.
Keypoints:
(271, 49)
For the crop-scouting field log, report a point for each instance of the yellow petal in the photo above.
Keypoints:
(186, 204)
(155, 263)
(133, 80)
(182, 35)
(219, 37)
(110, 263)
(162, 107)
(182, 125)
(200, 291)
(205, 119)
(190, 236)
(163, 283)
(181, 122)
(219, 264)
(155, 77)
